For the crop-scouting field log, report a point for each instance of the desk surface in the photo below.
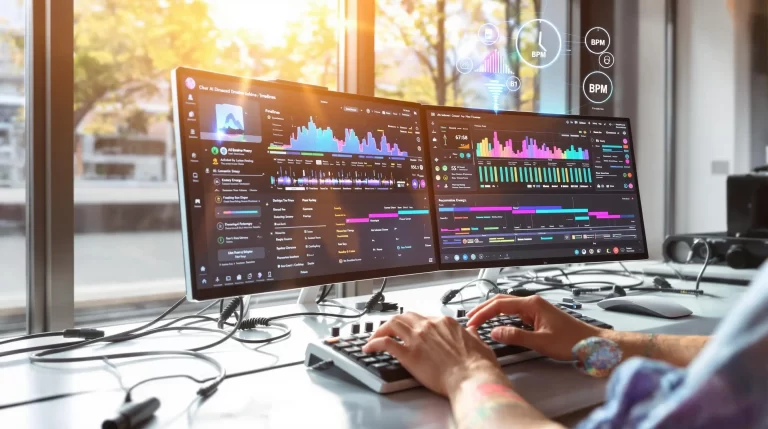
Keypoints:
(294, 397)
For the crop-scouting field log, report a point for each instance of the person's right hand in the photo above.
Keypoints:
(555, 331)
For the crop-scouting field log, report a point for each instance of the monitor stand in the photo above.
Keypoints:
(491, 274)
(308, 295)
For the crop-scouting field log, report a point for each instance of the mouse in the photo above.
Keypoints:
(646, 305)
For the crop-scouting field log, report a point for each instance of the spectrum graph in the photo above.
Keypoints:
(495, 62)
(312, 138)
(530, 150)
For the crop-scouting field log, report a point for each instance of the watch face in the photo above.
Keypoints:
(539, 43)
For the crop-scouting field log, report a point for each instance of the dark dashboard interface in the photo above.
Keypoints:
(524, 187)
(289, 186)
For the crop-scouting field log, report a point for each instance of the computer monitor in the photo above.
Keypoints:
(283, 186)
(515, 188)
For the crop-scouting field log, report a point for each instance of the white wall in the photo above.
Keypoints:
(706, 112)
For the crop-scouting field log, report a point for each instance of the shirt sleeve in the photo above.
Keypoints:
(726, 386)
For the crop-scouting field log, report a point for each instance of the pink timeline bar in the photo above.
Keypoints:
(382, 215)
(523, 211)
(609, 217)
(359, 220)
(490, 209)
(598, 213)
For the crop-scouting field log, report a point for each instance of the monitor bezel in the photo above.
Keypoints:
(193, 293)
(505, 263)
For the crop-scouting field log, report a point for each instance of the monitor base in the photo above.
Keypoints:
(490, 274)
(308, 295)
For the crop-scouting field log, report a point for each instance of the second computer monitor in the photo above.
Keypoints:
(515, 188)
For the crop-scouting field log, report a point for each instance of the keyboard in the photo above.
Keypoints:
(382, 373)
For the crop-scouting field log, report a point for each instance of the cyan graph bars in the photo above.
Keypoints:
(495, 174)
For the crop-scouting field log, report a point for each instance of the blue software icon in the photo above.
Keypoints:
(230, 119)
(465, 257)
(576, 252)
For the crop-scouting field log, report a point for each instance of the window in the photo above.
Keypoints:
(12, 168)
(128, 248)
(468, 53)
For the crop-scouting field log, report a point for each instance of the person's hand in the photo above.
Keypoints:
(555, 331)
(437, 351)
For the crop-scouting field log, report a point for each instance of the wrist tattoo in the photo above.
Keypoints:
(650, 346)
(491, 398)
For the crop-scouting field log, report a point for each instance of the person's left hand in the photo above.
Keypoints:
(437, 351)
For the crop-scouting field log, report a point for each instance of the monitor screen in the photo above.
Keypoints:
(518, 189)
(284, 186)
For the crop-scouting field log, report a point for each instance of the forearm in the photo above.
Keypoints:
(674, 349)
(488, 401)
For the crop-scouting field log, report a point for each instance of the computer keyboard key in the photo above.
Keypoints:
(363, 336)
(348, 339)
(369, 360)
(342, 345)
(379, 365)
(359, 355)
(332, 341)
(358, 343)
(350, 350)
(393, 373)
(384, 358)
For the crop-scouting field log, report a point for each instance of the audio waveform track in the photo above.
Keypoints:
(314, 139)
(530, 150)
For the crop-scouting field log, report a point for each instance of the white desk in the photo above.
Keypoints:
(293, 397)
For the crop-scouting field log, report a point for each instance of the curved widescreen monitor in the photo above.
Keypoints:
(516, 188)
(284, 186)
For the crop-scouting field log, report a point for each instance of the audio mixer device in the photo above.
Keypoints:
(516, 188)
(283, 186)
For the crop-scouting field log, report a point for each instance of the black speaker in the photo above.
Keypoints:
(736, 252)
(748, 205)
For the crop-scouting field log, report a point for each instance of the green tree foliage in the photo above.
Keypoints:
(125, 49)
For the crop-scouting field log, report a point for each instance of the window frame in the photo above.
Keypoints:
(49, 124)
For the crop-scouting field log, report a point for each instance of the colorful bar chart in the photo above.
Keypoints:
(495, 62)
(387, 215)
(312, 138)
(530, 150)
(495, 174)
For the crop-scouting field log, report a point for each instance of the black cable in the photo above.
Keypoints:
(704, 267)
(31, 337)
(448, 296)
(376, 298)
(136, 333)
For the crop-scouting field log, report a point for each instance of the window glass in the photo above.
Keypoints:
(12, 168)
(473, 53)
(128, 249)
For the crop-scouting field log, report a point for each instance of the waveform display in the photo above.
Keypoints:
(494, 174)
(530, 210)
(387, 215)
(495, 62)
(530, 150)
(309, 177)
(312, 138)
